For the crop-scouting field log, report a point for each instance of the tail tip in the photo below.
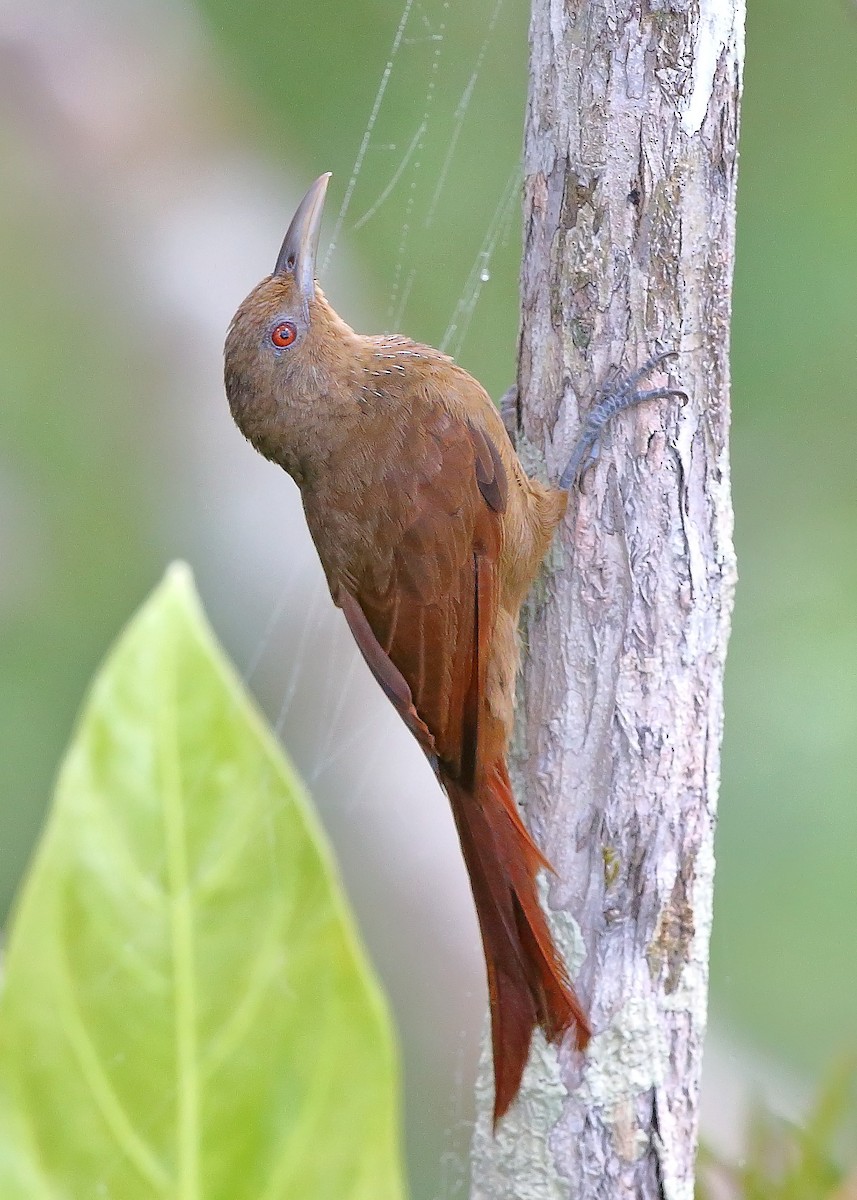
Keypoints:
(577, 1027)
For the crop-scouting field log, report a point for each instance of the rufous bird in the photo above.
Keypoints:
(430, 534)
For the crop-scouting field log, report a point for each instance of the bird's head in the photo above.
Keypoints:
(279, 342)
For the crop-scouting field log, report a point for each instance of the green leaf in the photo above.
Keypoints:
(187, 1011)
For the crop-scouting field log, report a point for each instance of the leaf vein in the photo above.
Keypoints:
(182, 938)
(101, 1089)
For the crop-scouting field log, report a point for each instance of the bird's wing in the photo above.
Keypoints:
(423, 612)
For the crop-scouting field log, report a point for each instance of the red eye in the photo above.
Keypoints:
(284, 333)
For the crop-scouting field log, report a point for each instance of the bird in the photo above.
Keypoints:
(430, 534)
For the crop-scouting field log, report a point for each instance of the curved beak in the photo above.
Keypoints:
(297, 253)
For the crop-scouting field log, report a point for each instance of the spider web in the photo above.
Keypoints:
(404, 181)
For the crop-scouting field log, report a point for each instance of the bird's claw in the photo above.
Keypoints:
(584, 456)
(508, 405)
(613, 401)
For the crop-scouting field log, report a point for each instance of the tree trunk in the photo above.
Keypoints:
(629, 218)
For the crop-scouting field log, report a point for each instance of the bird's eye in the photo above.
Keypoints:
(284, 333)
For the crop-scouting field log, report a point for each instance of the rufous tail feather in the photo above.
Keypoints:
(527, 981)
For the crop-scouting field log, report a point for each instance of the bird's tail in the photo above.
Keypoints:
(527, 981)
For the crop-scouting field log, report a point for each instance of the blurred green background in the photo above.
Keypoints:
(151, 155)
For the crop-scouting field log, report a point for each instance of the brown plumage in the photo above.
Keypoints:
(430, 534)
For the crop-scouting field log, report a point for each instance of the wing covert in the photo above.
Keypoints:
(423, 612)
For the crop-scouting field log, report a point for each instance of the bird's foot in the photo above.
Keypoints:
(613, 400)
(508, 405)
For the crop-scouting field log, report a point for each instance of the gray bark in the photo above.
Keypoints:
(629, 218)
